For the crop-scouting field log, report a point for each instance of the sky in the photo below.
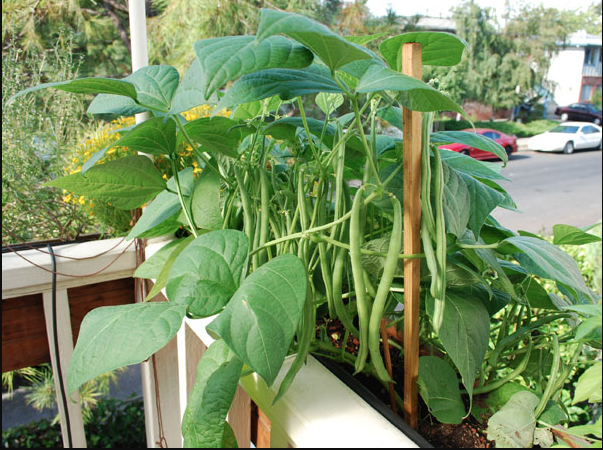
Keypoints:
(441, 8)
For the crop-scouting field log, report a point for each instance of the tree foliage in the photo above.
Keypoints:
(508, 62)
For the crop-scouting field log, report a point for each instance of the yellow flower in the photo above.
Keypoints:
(67, 198)
(165, 177)
(196, 170)
(81, 200)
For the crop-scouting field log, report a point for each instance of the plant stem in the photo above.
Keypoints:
(181, 197)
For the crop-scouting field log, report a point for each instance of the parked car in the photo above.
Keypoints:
(508, 142)
(581, 111)
(567, 137)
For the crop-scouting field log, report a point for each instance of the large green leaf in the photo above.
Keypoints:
(152, 267)
(155, 136)
(205, 203)
(514, 424)
(439, 388)
(456, 200)
(589, 385)
(155, 86)
(569, 235)
(437, 48)
(215, 134)
(412, 93)
(545, 260)
(507, 202)
(332, 49)
(255, 108)
(358, 68)
(464, 333)
(470, 166)
(483, 200)
(126, 183)
(159, 210)
(286, 83)
(259, 323)
(189, 93)
(489, 257)
(391, 114)
(86, 86)
(227, 58)
(204, 420)
(208, 272)
(536, 295)
(114, 104)
(328, 102)
(116, 336)
(158, 266)
(471, 140)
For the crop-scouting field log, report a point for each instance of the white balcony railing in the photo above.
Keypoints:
(317, 411)
(592, 70)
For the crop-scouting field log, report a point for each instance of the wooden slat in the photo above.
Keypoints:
(24, 339)
(411, 65)
(260, 427)
(239, 417)
(83, 299)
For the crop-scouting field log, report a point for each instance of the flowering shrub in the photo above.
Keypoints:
(117, 220)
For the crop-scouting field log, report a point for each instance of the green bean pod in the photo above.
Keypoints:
(358, 276)
(325, 268)
(339, 257)
(265, 214)
(440, 279)
(389, 271)
(246, 202)
(304, 340)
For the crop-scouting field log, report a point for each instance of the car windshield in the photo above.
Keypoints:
(564, 129)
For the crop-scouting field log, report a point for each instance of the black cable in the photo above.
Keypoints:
(56, 346)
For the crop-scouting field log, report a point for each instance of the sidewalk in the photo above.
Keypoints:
(17, 412)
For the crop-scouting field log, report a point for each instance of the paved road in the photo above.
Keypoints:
(552, 188)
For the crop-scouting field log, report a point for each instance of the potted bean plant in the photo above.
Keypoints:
(295, 224)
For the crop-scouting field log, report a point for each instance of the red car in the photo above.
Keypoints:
(509, 143)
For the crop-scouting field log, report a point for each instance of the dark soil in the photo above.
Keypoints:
(469, 434)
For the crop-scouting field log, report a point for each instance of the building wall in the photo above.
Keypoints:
(566, 74)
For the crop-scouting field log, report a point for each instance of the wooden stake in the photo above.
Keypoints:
(411, 65)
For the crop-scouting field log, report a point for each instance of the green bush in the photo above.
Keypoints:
(114, 424)
(521, 130)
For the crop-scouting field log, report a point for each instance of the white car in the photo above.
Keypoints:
(567, 137)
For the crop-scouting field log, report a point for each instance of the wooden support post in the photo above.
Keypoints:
(411, 65)
(72, 427)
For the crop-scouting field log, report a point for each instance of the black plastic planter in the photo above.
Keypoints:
(363, 392)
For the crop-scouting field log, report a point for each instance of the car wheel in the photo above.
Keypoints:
(597, 121)
(564, 117)
(465, 152)
(569, 148)
(509, 150)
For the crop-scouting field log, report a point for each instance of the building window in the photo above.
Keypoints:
(586, 93)
(592, 55)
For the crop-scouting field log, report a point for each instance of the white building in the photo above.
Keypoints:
(575, 72)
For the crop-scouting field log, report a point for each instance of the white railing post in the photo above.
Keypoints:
(72, 424)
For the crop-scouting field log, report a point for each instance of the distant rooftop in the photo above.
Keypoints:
(583, 39)
(437, 24)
